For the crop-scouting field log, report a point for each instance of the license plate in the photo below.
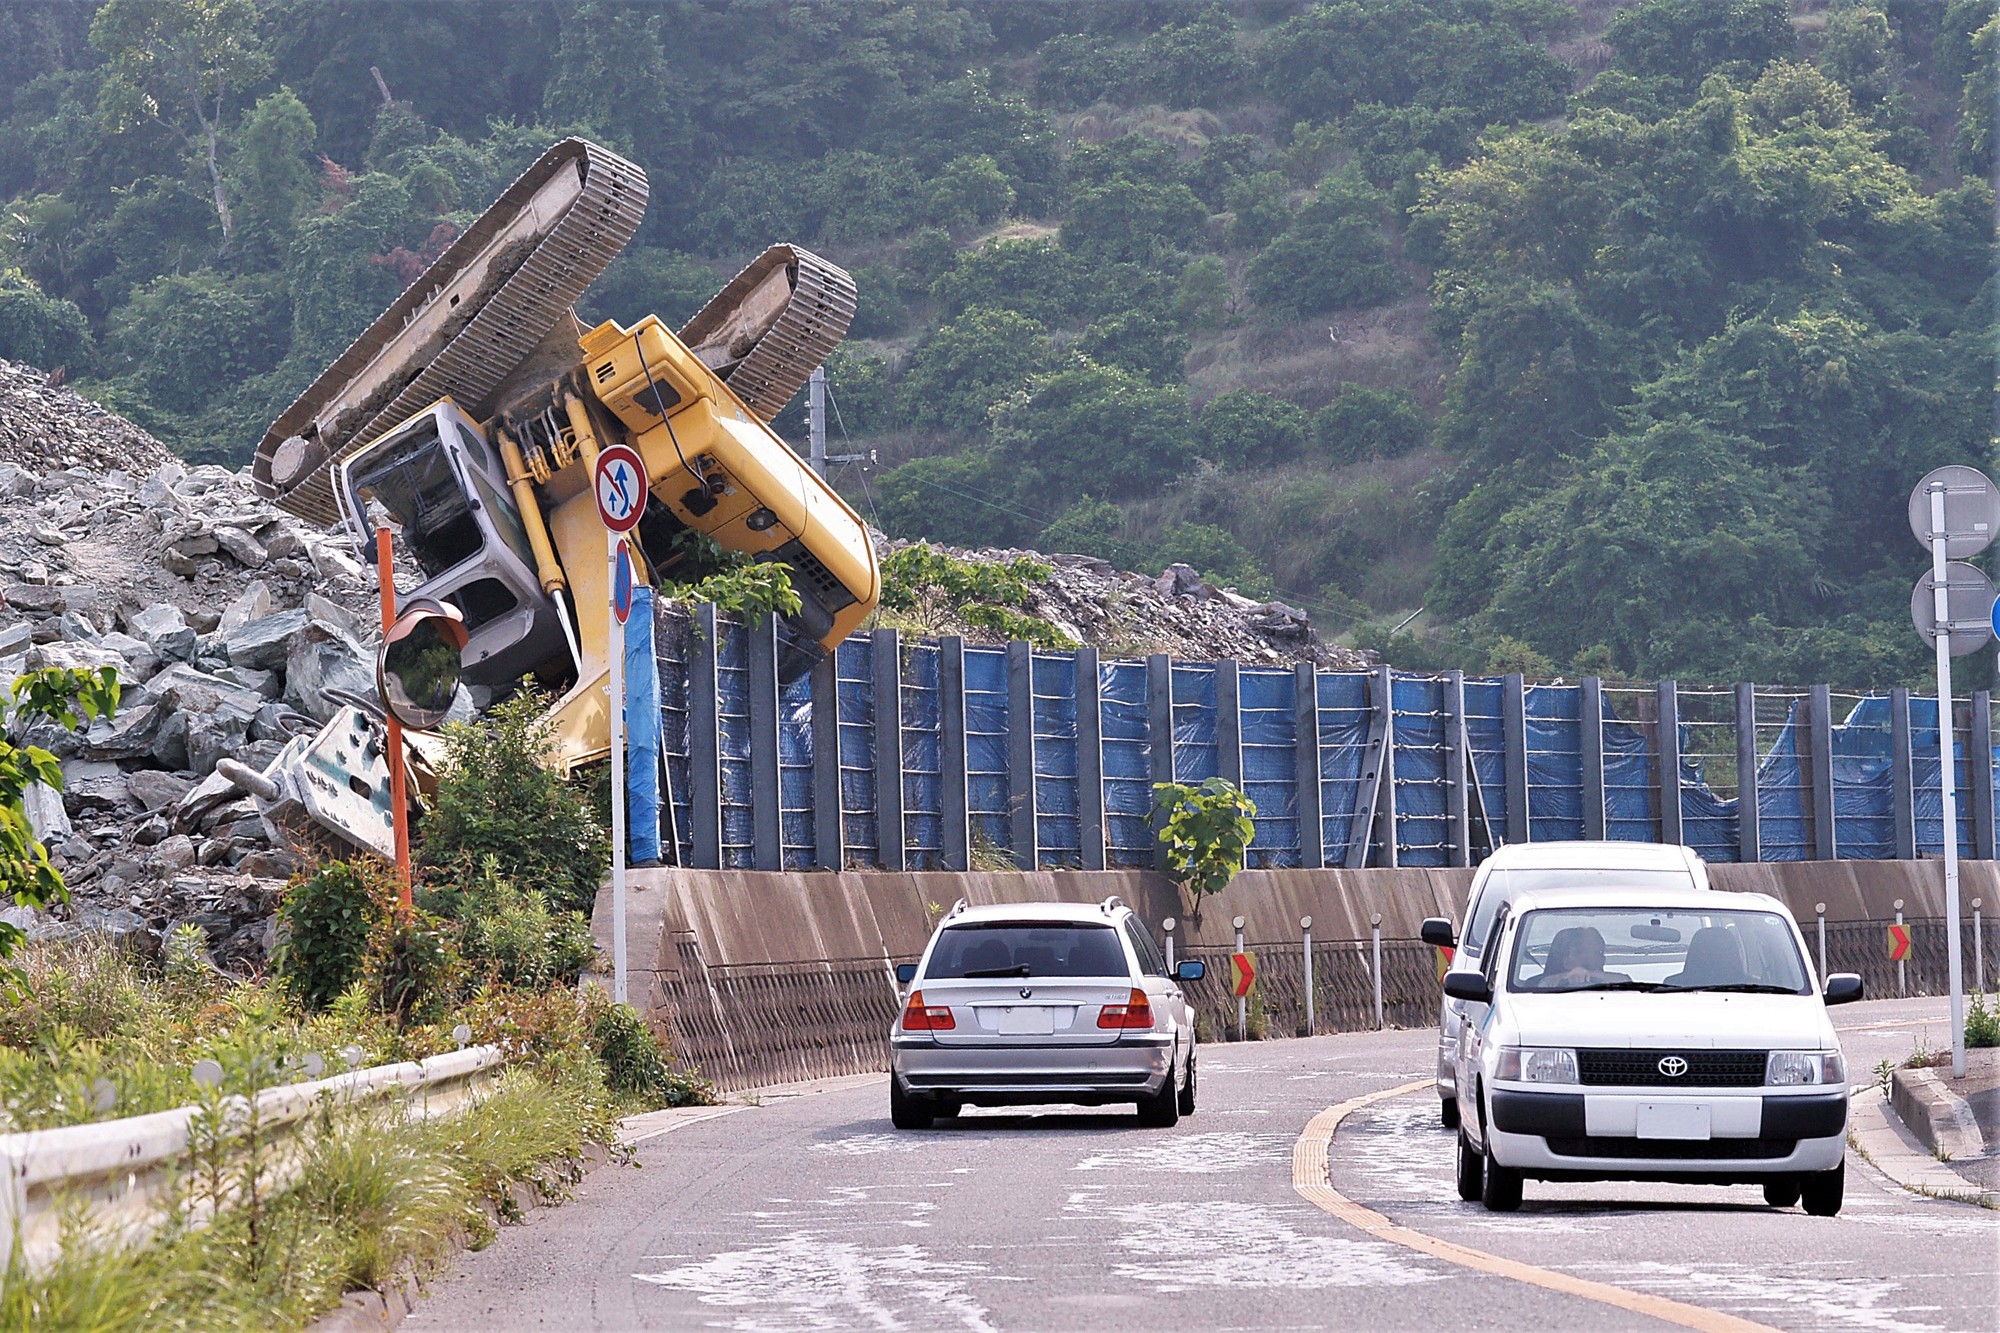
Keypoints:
(1673, 1120)
(1027, 1021)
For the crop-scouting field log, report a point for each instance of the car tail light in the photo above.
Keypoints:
(1136, 1012)
(921, 1017)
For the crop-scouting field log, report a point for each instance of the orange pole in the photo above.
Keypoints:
(399, 794)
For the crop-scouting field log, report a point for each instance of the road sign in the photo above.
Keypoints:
(1242, 971)
(1969, 597)
(1441, 964)
(1971, 510)
(621, 582)
(1899, 943)
(620, 481)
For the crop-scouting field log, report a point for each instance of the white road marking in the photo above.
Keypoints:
(1182, 1246)
(1830, 1301)
(1193, 1154)
(811, 1283)
(861, 1145)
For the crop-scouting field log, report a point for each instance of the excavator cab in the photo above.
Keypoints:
(439, 483)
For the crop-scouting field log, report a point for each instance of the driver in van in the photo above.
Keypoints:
(1576, 958)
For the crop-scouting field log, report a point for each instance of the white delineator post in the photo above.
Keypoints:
(1902, 977)
(1954, 951)
(1819, 910)
(1306, 925)
(616, 686)
(1375, 935)
(1167, 929)
(1242, 1001)
(1978, 950)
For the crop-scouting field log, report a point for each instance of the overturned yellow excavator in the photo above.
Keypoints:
(469, 414)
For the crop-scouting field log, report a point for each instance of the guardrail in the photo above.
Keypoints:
(119, 1173)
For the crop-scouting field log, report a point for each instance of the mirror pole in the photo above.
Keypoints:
(399, 795)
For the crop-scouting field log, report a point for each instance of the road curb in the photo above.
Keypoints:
(1901, 1157)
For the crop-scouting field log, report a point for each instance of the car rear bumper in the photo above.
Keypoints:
(1019, 1074)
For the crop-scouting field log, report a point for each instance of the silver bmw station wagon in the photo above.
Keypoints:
(1026, 1003)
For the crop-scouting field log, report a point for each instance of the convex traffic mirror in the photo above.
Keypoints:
(417, 669)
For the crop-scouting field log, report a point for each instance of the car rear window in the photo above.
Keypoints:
(1027, 949)
(1503, 886)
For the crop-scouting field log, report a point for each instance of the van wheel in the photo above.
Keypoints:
(1448, 1111)
(1186, 1104)
(1822, 1190)
(1471, 1170)
(905, 1111)
(1782, 1193)
(1162, 1110)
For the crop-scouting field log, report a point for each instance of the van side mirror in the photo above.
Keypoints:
(1436, 932)
(1842, 988)
(1468, 986)
(905, 973)
(1191, 969)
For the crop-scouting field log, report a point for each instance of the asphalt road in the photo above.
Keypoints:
(811, 1212)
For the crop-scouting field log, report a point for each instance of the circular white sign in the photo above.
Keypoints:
(620, 487)
(1971, 510)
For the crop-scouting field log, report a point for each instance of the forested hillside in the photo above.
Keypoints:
(1611, 335)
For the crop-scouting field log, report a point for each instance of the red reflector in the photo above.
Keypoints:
(1136, 1012)
(921, 1017)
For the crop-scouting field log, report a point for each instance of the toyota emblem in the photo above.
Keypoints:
(1026, 992)
(1673, 1066)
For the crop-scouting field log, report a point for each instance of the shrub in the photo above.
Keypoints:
(1246, 428)
(1982, 1025)
(508, 932)
(413, 968)
(324, 927)
(635, 1061)
(496, 799)
(39, 329)
(1368, 423)
(1205, 831)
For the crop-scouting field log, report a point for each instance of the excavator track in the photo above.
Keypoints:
(785, 352)
(464, 327)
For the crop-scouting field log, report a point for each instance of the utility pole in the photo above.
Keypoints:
(816, 420)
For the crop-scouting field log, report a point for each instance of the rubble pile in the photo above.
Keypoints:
(46, 427)
(1123, 614)
(228, 622)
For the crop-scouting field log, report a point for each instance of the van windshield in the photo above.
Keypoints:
(1655, 949)
(1503, 886)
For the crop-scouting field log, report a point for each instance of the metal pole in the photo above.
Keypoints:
(1306, 925)
(399, 795)
(816, 420)
(1954, 960)
(1819, 910)
(1242, 1001)
(616, 681)
(1902, 987)
(1375, 932)
(1167, 929)
(1978, 950)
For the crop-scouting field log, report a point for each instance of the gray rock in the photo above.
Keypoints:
(212, 791)
(46, 813)
(90, 784)
(158, 488)
(264, 643)
(195, 544)
(204, 620)
(275, 722)
(254, 604)
(213, 852)
(162, 627)
(175, 563)
(153, 830)
(15, 638)
(222, 817)
(130, 733)
(120, 927)
(32, 597)
(246, 549)
(176, 852)
(327, 612)
(16, 480)
(324, 658)
(77, 627)
(156, 791)
(286, 567)
(268, 865)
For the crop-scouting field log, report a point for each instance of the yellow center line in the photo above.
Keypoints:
(1309, 1178)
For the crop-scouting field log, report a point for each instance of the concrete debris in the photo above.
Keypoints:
(1176, 612)
(227, 621)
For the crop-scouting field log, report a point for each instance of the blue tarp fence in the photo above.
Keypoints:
(942, 755)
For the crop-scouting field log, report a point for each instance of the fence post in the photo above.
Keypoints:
(1089, 761)
(1242, 1001)
(1160, 735)
(1819, 910)
(829, 849)
(1375, 937)
(1749, 842)
(1591, 716)
(1167, 929)
(1668, 753)
(885, 666)
(1228, 722)
(952, 804)
(1021, 754)
(704, 745)
(1980, 763)
(767, 847)
(1819, 710)
(1978, 950)
(1457, 775)
(1902, 978)
(1306, 925)
(1305, 764)
(1514, 726)
(1387, 835)
(1902, 774)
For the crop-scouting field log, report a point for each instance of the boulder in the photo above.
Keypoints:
(16, 638)
(158, 489)
(130, 733)
(175, 853)
(156, 791)
(322, 658)
(263, 643)
(46, 813)
(32, 597)
(163, 629)
(90, 784)
(246, 550)
(254, 604)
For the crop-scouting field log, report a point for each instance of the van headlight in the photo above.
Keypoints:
(1537, 1064)
(1791, 1069)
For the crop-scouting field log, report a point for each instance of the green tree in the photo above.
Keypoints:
(964, 499)
(1035, 278)
(970, 190)
(612, 72)
(970, 364)
(65, 697)
(1205, 829)
(181, 64)
(1333, 256)
(1098, 424)
(1362, 422)
(1195, 63)
(184, 339)
(1245, 428)
(271, 174)
(1138, 341)
(39, 329)
(1686, 40)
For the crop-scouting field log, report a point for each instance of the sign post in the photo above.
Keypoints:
(619, 482)
(1954, 512)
